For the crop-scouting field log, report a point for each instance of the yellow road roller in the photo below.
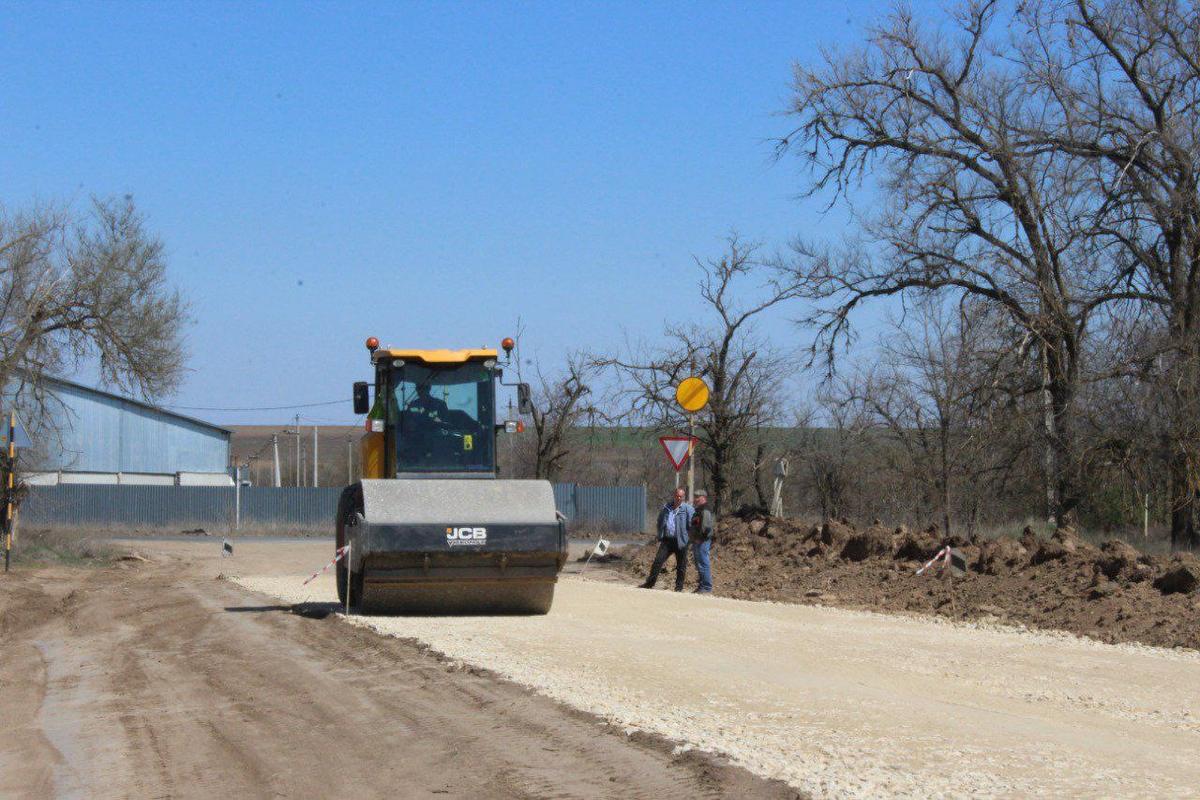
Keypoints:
(432, 527)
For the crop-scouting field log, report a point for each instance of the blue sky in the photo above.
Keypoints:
(426, 173)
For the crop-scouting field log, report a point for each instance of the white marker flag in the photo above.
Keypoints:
(601, 548)
(226, 548)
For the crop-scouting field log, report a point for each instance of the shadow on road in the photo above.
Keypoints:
(310, 610)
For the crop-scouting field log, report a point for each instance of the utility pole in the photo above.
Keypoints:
(315, 459)
(298, 472)
(275, 447)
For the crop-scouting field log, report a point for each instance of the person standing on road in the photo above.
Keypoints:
(673, 522)
(702, 529)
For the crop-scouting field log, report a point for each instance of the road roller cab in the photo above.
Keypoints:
(431, 526)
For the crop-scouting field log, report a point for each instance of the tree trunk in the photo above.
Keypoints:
(1049, 433)
(759, 487)
(944, 476)
(1185, 534)
(1181, 378)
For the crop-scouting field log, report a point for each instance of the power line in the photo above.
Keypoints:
(258, 408)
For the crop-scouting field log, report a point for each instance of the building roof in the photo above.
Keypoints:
(140, 404)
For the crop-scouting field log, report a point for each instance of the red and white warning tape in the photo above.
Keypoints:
(943, 555)
(341, 551)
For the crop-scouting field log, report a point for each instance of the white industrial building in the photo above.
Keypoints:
(96, 437)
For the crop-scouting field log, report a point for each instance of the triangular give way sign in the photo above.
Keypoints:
(678, 448)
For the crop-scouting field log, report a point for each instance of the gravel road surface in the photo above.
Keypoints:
(840, 703)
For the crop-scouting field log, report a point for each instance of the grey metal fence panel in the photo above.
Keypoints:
(127, 506)
(621, 508)
(179, 507)
(300, 507)
(564, 499)
(183, 507)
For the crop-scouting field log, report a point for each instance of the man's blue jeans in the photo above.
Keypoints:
(701, 552)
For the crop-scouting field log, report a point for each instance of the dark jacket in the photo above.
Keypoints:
(681, 536)
(703, 526)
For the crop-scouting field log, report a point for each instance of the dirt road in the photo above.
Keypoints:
(848, 704)
(158, 680)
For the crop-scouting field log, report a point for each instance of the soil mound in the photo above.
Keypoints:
(1001, 556)
(835, 533)
(1111, 592)
(1182, 577)
(920, 546)
(874, 542)
(1120, 561)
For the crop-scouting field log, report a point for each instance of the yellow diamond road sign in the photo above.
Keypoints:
(692, 394)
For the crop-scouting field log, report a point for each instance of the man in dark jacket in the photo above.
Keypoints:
(702, 529)
(673, 522)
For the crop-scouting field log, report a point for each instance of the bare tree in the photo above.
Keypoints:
(832, 440)
(936, 388)
(561, 405)
(1121, 84)
(968, 208)
(86, 291)
(743, 372)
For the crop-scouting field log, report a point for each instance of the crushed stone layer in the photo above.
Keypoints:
(843, 703)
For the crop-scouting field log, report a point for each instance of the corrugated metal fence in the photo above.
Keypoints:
(186, 507)
(620, 508)
(177, 507)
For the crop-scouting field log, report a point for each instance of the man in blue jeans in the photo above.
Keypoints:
(703, 527)
(673, 522)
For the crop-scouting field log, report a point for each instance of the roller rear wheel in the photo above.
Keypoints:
(349, 504)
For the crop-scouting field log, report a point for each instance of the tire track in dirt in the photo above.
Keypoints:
(189, 687)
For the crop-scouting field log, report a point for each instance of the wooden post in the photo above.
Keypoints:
(10, 486)
(1146, 515)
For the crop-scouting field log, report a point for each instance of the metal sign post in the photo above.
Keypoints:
(692, 396)
(237, 498)
(691, 461)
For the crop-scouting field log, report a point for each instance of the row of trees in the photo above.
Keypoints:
(1040, 167)
(1024, 184)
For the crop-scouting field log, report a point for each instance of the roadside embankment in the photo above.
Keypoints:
(1109, 592)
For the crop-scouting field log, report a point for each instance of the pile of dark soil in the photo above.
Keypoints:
(1109, 592)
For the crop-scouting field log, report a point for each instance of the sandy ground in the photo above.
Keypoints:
(841, 703)
(155, 679)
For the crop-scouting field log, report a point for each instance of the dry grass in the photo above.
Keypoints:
(39, 546)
